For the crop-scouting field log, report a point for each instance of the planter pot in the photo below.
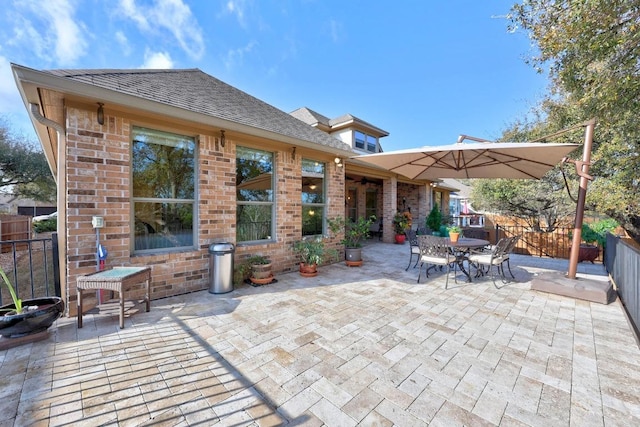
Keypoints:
(353, 254)
(454, 236)
(308, 270)
(588, 253)
(261, 281)
(400, 238)
(261, 271)
(31, 321)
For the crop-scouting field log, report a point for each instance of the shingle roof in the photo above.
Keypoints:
(194, 90)
(346, 118)
(310, 117)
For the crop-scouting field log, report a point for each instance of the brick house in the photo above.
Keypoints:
(174, 160)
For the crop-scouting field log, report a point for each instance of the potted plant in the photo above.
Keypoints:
(595, 237)
(27, 317)
(260, 270)
(454, 233)
(434, 220)
(401, 221)
(311, 252)
(354, 233)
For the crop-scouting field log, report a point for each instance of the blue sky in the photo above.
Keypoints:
(424, 71)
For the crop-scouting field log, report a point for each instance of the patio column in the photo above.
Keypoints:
(389, 204)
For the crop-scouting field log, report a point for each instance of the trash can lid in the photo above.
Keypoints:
(221, 247)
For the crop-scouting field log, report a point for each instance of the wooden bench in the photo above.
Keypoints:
(117, 279)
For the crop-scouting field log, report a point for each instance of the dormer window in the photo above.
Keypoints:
(365, 142)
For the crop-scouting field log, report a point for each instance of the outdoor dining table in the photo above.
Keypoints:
(461, 249)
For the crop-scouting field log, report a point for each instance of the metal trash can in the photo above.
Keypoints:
(221, 267)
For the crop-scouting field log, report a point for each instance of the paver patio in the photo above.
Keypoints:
(351, 346)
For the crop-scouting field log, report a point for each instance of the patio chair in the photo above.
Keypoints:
(414, 248)
(435, 251)
(498, 255)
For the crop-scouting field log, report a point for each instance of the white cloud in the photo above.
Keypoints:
(335, 30)
(157, 60)
(57, 30)
(236, 56)
(9, 95)
(171, 15)
(236, 8)
(123, 42)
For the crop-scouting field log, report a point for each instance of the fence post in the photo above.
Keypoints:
(497, 234)
(56, 266)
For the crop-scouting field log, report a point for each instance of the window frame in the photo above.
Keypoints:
(135, 130)
(318, 206)
(272, 203)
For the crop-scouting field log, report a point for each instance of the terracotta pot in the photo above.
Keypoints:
(31, 321)
(454, 236)
(308, 270)
(400, 238)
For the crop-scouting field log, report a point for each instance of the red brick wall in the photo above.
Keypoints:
(98, 184)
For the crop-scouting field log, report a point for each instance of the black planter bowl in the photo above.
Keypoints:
(31, 321)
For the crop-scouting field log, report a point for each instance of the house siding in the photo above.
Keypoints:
(98, 184)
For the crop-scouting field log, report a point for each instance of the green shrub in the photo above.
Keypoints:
(45, 225)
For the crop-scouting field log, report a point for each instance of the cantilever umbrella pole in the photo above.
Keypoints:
(583, 171)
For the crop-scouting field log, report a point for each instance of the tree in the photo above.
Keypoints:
(591, 49)
(23, 168)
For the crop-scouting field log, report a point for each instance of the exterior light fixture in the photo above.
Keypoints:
(100, 113)
(312, 187)
(338, 161)
(222, 138)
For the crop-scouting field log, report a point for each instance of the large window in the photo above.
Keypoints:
(254, 194)
(313, 200)
(163, 167)
(366, 142)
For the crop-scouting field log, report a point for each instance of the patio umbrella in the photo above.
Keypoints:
(473, 160)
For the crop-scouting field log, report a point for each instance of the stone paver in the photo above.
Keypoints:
(352, 346)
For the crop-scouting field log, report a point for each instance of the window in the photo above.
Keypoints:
(313, 201)
(365, 142)
(371, 203)
(163, 168)
(254, 195)
(352, 204)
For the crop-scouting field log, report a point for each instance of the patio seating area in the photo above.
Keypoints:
(351, 346)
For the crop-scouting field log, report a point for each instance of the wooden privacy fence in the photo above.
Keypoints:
(14, 227)
(553, 244)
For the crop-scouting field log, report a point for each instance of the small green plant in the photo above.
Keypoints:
(454, 229)
(434, 220)
(401, 222)
(313, 251)
(17, 302)
(354, 231)
(258, 260)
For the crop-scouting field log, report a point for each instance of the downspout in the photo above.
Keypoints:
(61, 182)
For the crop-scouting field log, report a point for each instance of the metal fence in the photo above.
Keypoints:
(623, 263)
(32, 267)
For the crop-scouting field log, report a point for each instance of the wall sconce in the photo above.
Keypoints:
(434, 184)
(338, 161)
(293, 153)
(222, 138)
(312, 187)
(100, 113)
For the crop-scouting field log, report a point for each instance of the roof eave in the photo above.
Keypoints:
(38, 79)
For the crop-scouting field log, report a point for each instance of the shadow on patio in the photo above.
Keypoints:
(351, 346)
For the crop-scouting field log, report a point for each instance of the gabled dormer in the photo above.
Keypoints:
(362, 136)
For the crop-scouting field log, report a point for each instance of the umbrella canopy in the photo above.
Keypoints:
(474, 160)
